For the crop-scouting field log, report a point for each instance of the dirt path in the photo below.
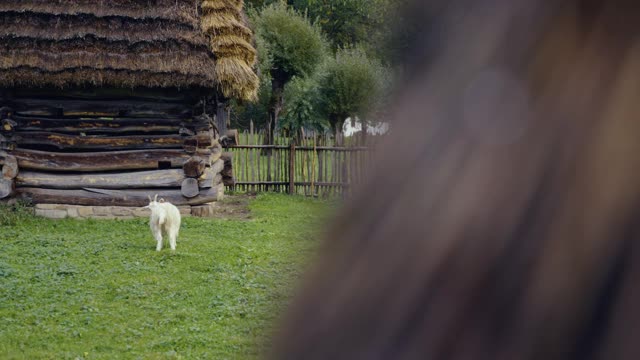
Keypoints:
(235, 207)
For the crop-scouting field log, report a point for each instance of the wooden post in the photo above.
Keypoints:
(292, 168)
(313, 168)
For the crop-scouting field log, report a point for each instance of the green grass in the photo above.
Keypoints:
(73, 289)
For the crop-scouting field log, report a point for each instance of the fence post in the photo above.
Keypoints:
(292, 161)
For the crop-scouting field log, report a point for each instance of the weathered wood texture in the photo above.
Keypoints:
(209, 179)
(99, 161)
(189, 188)
(230, 138)
(116, 125)
(64, 141)
(105, 197)
(9, 166)
(217, 166)
(194, 167)
(227, 171)
(67, 144)
(165, 95)
(96, 108)
(133, 180)
(6, 188)
(215, 153)
(75, 142)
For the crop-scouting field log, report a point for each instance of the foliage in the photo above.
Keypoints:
(301, 106)
(97, 289)
(349, 84)
(294, 46)
(257, 111)
(345, 22)
(372, 26)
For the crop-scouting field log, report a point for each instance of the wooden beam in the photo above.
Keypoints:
(63, 141)
(217, 166)
(9, 167)
(215, 153)
(6, 188)
(194, 167)
(74, 142)
(99, 161)
(131, 180)
(167, 95)
(116, 125)
(209, 179)
(227, 171)
(189, 188)
(292, 173)
(51, 107)
(105, 197)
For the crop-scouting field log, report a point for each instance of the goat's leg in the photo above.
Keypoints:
(172, 239)
(157, 234)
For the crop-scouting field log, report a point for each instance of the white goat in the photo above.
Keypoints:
(165, 217)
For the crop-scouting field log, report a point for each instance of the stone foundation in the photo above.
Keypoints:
(61, 211)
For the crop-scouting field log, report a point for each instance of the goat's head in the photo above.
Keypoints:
(153, 203)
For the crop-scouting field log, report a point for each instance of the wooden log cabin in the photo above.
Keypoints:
(103, 103)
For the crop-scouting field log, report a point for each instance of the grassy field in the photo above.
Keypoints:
(97, 289)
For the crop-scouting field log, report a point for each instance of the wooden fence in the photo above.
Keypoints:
(315, 166)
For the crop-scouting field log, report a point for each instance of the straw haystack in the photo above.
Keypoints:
(127, 43)
(101, 101)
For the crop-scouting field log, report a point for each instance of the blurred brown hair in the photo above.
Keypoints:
(500, 218)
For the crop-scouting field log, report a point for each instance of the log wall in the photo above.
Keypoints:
(108, 147)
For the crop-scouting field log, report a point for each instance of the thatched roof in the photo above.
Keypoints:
(127, 43)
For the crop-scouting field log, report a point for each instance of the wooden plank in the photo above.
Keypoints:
(297, 183)
(132, 180)
(106, 197)
(253, 164)
(65, 141)
(257, 147)
(165, 95)
(97, 108)
(116, 125)
(292, 168)
(99, 161)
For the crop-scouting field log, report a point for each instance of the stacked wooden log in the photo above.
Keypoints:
(103, 151)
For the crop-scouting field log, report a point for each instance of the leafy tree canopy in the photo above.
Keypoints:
(349, 84)
(294, 46)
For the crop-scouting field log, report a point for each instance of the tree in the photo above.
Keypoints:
(345, 22)
(301, 110)
(349, 85)
(294, 46)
